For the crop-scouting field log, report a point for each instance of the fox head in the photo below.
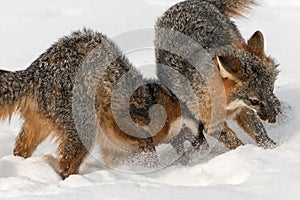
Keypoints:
(253, 75)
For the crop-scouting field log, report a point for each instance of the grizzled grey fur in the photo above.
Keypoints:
(68, 91)
(209, 26)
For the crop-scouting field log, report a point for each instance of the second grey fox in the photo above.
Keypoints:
(248, 75)
(44, 95)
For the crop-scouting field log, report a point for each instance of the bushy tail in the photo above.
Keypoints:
(12, 88)
(233, 8)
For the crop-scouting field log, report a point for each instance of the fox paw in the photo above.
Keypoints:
(268, 144)
(22, 152)
(66, 167)
(69, 163)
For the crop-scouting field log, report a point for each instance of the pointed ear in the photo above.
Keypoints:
(229, 67)
(256, 44)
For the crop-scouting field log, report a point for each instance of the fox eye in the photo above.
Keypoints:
(254, 102)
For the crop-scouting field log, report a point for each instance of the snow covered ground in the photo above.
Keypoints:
(29, 27)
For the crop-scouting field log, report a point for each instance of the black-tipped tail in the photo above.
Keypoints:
(233, 8)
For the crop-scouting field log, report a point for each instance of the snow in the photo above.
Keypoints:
(249, 172)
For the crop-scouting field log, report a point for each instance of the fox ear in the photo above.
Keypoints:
(229, 67)
(256, 44)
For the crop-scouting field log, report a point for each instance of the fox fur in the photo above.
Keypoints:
(43, 94)
(247, 73)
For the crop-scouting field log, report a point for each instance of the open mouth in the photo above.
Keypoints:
(268, 119)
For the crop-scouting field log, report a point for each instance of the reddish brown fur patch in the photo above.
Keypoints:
(69, 164)
(228, 84)
(255, 44)
(129, 143)
(35, 128)
(109, 126)
(7, 111)
(173, 110)
(239, 44)
(243, 120)
(116, 135)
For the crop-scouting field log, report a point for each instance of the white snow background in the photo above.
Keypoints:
(29, 27)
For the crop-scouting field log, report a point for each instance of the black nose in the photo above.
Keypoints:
(272, 119)
(268, 117)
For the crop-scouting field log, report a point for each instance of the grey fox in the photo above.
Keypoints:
(248, 75)
(44, 95)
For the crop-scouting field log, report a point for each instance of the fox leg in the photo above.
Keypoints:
(149, 146)
(199, 142)
(228, 137)
(30, 137)
(72, 152)
(254, 127)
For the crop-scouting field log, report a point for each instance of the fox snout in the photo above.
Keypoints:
(272, 119)
(268, 116)
(269, 113)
